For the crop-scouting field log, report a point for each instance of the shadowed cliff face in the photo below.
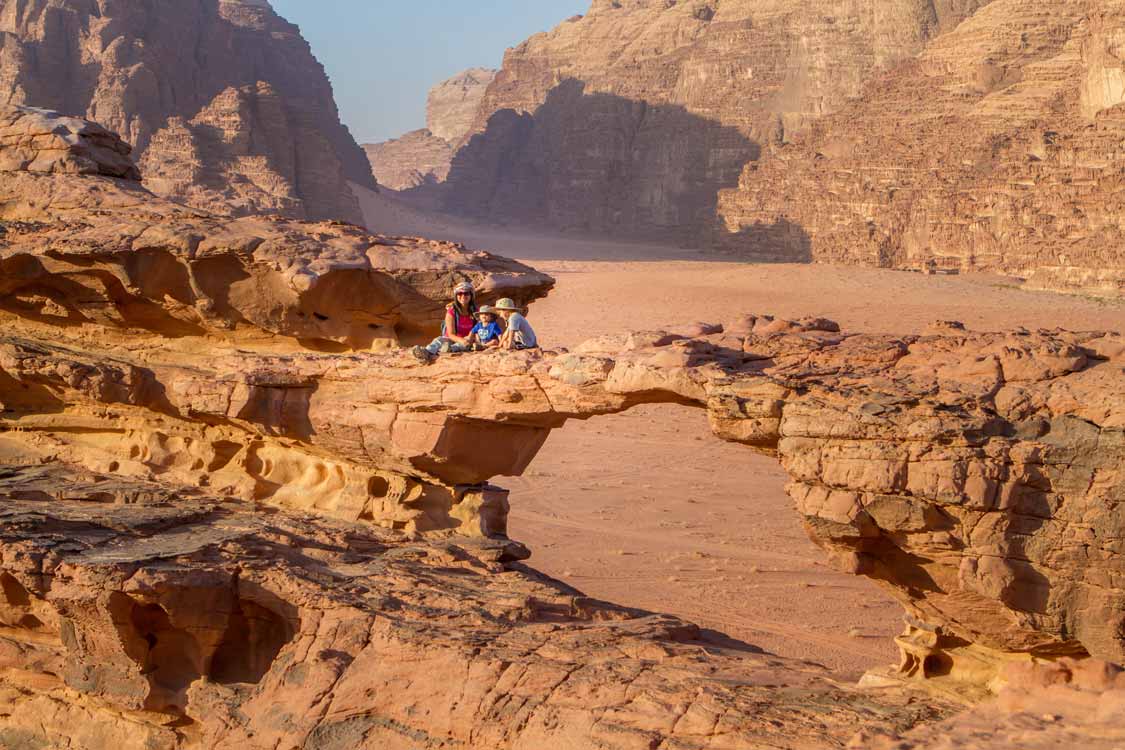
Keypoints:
(223, 101)
(598, 163)
(630, 119)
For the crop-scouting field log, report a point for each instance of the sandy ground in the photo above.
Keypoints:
(647, 508)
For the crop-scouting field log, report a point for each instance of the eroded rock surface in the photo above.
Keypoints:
(630, 119)
(105, 251)
(422, 157)
(222, 534)
(222, 99)
(1010, 162)
(174, 620)
(417, 158)
(452, 106)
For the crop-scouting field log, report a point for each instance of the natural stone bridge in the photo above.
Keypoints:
(234, 513)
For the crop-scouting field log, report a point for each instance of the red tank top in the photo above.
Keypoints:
(463, 323)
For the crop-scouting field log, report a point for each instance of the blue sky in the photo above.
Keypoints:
(384, 55)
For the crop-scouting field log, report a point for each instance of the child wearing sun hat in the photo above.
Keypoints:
(519, 334)
(487, 332)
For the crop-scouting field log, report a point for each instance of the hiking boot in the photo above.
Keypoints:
(421, 354)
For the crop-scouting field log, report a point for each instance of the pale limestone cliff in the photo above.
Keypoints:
(997, 150)
(224, 103)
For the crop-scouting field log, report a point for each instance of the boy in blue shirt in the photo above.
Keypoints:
(487, 332)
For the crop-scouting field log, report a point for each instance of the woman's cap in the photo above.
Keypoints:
(508, 304)
(464, 286)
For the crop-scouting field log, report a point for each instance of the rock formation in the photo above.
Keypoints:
(292, 542)
(629, 120)
(422, 157)
(224, 103)
(1010, 162)
(417, 158)
(109, 252)
(451, 108)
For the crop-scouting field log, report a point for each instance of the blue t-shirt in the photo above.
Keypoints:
(486, 331)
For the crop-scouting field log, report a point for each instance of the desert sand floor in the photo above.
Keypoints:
(647, 508)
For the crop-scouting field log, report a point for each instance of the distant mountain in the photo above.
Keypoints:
(630, 120)
(422, 157)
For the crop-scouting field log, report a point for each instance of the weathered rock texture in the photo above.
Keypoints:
(106, 251)
(224, 103)
(417, 158)
(1046, 706)
(451, 108)
(998, 149)
(629, 120)
(422, 157)
(176, 621)
(198, 547)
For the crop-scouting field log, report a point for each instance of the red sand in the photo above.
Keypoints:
(647, 508)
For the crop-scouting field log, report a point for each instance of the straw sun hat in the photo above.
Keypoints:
(508, 304)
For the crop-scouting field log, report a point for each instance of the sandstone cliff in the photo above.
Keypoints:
(422, 157)
(222, 99)
(997, 150)
(201, 552)
(629, 120)
(452, 105)
(417, 158)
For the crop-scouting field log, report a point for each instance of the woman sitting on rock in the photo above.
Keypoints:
(518, 334)
(460, 317)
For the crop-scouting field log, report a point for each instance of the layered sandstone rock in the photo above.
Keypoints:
(422, 157)
(105, 251)
(452, 105)
(1009, 162)
(629, 120)
(219, 536)
(175, 620)
(417, 158)
(196, 545)
(224, 103)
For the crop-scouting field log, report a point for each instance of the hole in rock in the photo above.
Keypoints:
(31, 622)
(225, 451)
(254, 637)
(15, 595)
(378, 487)
(937, 665)
(649, 509)
(171, 656)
